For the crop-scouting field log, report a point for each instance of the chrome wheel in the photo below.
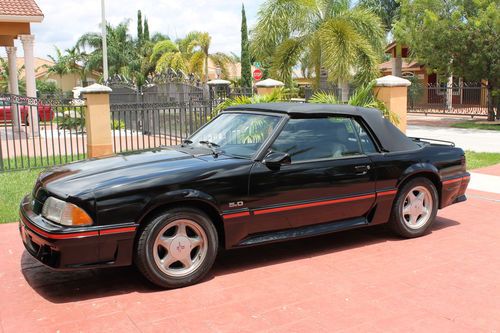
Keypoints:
(180, 248)
(417, 207)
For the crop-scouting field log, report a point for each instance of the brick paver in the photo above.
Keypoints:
(361, 280)
(493, 170)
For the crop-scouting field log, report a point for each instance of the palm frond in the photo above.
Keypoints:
(222, 60)
(162, 47)
(286, 56)
(323, 98)
(196, 62)
(170, 60)
(277, 21)
(365, 96)
(276, 95)
(369, 25)
(238, 100)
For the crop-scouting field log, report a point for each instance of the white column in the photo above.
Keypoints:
(29, 70)
(11, 57)
(13, 82)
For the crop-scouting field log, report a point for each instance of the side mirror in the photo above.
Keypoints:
(274, 160)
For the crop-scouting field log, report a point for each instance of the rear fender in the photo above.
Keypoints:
(421, 168)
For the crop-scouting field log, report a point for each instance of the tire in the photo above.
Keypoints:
(415, 208)
(176, 248)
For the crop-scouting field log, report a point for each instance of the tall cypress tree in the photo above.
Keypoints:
(246, 69)
(139, 27)
(145, 34)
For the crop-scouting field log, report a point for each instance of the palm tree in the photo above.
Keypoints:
(157, 36)
(166, 55)
(122, 55)
(346, 41)
(388, 11)
(77, 63)
(198, 44)
(61, 64)
(188, 56)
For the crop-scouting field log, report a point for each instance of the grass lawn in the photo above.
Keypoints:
(15, 185)
(472, 124)
(480, 160)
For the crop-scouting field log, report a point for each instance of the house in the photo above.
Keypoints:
(434, 89)
(233, 71)
(65, 82)
(16, 17)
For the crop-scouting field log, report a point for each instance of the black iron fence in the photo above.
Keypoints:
(139, 126)
(37, 133)
(461, 99)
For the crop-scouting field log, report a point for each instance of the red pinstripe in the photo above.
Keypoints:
(77, 234)
(455, 180)
(312, 204)
(232, 216)
(61, 236)
(391, 192)
(116, 230)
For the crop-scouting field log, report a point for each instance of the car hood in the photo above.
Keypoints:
(122, 170)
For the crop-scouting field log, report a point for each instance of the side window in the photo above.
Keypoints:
(318, 138)
(366, 142)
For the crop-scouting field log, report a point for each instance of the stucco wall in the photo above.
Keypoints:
(68, 81)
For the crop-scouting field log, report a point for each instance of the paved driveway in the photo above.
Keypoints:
(467, 139)
(355, 281)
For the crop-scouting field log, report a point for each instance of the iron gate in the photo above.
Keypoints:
(37, 133)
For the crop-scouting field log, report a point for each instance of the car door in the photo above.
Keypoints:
(329, 177)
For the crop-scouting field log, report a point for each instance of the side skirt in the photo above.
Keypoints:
(302, 232)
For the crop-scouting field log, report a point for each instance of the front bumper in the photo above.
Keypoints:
(62, 247)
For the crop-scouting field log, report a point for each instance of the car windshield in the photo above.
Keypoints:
(235, 134)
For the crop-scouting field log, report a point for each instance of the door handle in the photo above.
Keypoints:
(362, 169)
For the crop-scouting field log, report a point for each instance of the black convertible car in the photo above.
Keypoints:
(254, 174)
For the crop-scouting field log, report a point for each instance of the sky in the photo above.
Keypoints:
(66, 20)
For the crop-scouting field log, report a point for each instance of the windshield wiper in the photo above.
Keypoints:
(212, 145)
(186, 142)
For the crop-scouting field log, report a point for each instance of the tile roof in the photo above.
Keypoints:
(405, 65)
(19, 8)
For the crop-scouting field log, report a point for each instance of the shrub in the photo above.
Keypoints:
(118, 124)
(72, 120)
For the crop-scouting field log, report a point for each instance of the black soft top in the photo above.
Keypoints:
(389, 136)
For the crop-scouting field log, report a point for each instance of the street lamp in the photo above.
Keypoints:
(104, 44)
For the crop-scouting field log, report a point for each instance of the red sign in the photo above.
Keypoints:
(257, 74)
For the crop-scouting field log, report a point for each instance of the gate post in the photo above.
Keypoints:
(393, 91)
(98, 120)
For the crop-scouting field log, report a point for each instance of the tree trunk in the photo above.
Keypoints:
(317, 68)
(206, 68)
(491, 110)
(344, 87)
(317, 73)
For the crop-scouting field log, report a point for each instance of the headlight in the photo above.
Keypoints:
(65, 213)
